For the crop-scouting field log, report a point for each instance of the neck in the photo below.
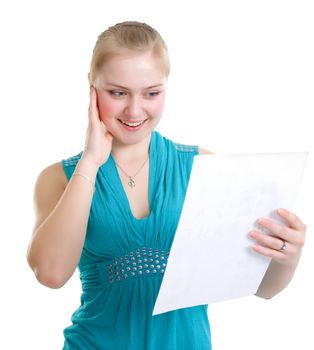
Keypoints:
(126, 153)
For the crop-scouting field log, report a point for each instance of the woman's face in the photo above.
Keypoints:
(131, 96)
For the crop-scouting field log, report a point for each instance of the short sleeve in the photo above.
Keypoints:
(187, 148)
(69, 164)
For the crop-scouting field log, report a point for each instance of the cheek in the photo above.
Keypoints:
(107, 109)
(157, 107)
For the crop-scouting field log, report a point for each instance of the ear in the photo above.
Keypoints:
(88, 77)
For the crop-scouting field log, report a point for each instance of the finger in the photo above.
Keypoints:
(104, 127)
(293, 220)
(93, 109)
(271, 253)
(268, 241)
(277, 229)
(108, 135)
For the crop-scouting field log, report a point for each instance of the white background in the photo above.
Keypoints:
(242, 80)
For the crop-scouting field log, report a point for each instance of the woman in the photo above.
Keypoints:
(112, 210)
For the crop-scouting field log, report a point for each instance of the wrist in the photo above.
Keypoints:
(290, 264)
(87, 166)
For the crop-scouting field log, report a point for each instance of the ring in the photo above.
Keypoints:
(284, 245)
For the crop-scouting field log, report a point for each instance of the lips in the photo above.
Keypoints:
(132, 124)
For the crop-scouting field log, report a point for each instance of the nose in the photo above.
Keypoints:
(133, 107)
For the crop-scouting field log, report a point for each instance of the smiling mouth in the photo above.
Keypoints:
(132, 124)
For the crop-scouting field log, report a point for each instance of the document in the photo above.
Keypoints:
(211, 257)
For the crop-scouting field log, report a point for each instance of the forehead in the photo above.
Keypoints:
(133, 69)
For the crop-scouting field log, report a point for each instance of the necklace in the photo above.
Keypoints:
(131, 181)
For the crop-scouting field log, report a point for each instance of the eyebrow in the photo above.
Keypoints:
(123, 87)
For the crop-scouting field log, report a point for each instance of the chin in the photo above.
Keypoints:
(131, 139)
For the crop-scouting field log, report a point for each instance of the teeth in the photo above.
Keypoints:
(133, 124)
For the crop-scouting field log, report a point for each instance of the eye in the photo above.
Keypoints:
(153, 93)
(117, 93)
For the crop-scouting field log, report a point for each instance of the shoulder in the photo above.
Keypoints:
(52, 175)
(57, 174)
(184, 148)
(52, 181)
(204, 151)
(49, 187)
(178, 148)
(70, 163)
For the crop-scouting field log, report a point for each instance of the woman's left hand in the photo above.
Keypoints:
(284, 241)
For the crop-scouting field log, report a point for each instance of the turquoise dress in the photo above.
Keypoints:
(124, 258)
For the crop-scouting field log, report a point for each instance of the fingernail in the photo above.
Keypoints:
(261, 221)
(251, 234)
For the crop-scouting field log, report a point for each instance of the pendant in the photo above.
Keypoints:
(131, 182)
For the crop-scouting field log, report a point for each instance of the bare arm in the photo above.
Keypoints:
(277, 277)
(62, 209)
(284, 262)
(61, 222)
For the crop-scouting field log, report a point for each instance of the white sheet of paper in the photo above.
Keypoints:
(211, 257)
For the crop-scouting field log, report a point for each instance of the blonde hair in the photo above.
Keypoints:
(124, 38)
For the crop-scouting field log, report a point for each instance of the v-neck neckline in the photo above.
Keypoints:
(150, 182)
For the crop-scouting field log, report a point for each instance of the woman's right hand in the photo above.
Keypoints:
(98, 139)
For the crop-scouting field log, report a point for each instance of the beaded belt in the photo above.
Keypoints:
(144, 261)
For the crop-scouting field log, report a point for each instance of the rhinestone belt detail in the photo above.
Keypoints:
(143, 261)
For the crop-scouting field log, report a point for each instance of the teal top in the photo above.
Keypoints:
(124, 258)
